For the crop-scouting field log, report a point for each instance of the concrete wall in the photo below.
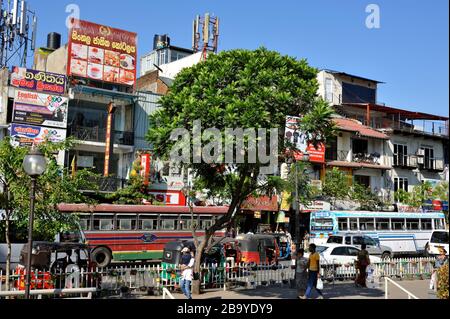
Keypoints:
(56, 62)
(4, 75)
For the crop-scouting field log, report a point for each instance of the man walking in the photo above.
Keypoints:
(187, 265)
(314, 272)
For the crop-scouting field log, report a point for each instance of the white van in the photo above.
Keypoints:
(438, 239)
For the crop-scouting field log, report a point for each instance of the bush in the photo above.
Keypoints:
(442, 284)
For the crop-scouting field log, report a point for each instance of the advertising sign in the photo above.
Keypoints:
(40, 109)
(39, 81)
(299, 140)
(145, 164)
(169, 198)
(102, 53)
(27, 135)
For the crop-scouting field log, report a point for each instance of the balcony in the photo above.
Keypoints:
(357, 160)
(366, 158)
(431, 164)
(96, 134)
(406, 161)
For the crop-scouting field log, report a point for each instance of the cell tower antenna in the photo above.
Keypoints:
(205, 35)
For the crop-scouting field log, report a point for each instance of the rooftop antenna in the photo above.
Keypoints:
(15, 31)
(206, 34)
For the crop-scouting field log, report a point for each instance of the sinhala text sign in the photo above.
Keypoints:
(39, 81)
(27, 135)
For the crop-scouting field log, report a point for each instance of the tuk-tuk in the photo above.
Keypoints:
(50, 260)
(258, 249)
(214, 258)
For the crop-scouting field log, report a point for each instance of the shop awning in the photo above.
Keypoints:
(350, 125)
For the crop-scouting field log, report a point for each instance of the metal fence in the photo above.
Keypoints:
(153, 278)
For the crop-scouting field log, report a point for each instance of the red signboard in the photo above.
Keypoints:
(145, 164)
(262, 203)
(102, 53)
(316, 155)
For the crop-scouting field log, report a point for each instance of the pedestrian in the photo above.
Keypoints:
(301, 273)
(441, 260)
(187, 265)
(313, 266)
(363, 262)
(306, 240)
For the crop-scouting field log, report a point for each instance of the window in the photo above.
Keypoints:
(329, 90)
(352, 251)
(343, 224)
(169, 223)
(353, 223)
(102, 222)
(85, 222)
(400, 155)
(439, 224)
(331, 152)
(148, 222)
(428, 157)
(126, 222)
(358, 240)
(348, 240)
(362, 180)
(335, 240)
(412, 224)
(366, 224)
(205, 222)
(369, 241)
(382, 223)
(400, 183)
(352, 93)
(359, 147)
(425, 224)
(339, 251)
(398, 224)
(186, 222)
(439, 237)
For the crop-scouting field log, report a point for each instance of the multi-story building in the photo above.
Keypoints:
(382, 147)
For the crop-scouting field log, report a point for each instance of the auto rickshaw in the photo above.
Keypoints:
(258, 249)
(55, 265)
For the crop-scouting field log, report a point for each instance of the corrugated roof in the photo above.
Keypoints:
(362, 130)
(351, 75)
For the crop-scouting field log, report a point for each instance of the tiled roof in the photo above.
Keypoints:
(354, 126)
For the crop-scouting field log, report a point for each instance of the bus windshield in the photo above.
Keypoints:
(322, 224)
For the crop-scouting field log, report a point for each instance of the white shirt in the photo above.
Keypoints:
(187, 273)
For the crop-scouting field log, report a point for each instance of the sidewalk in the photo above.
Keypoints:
(346, 290)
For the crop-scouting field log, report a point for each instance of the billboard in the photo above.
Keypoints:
(40, 109)
(102, 53)
(27, 135)
(299, 140)
(39, 81)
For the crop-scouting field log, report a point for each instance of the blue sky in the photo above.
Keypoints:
(410, 52)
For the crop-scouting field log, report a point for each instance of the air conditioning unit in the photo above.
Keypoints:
(420, 160)
(420, 152)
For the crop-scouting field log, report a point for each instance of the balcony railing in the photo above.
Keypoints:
(96, 134)
(406, 161)
(372, 158)
(432, 164)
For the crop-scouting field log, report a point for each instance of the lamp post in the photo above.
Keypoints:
(34, 165)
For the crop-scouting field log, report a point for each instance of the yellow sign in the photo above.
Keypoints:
(285, 206)
(257, 215)
(281, 217)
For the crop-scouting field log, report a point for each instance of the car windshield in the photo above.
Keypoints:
(334, 240)
(321, 249)
(439, 237)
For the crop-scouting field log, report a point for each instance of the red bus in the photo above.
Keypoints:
(138, 233)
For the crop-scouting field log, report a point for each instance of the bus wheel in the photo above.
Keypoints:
(101, 256)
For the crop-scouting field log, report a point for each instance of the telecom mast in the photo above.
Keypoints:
(16, 24)
(205, 35)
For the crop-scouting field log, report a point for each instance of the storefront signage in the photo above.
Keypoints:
(145, 171)
(40, 109)
(262, 203)
(39, 81)
(300, 142)
(27, 135)
(169, 198)
(102, 53)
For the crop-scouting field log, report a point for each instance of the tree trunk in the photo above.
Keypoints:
(8, 255)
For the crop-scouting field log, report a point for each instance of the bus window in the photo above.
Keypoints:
(205, 222)
(126, 222)
(103, 222)
(439, 223)
(148, 222)
(412, 224)
(169, 222)
(353, 223)
(186, 222)
(366, 224)
(85, 222)
(398, 223)
(382, 223)
(425, 224)
(343, 224)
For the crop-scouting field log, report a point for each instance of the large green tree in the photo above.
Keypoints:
(55, 186)
(239, 89)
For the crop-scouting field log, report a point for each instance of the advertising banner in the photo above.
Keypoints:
(27, 135)
(300, 142)
(39, 81)
(102, 53)
(40, 109)
(145, 164)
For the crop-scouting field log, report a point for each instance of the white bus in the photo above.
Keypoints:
(404, 233)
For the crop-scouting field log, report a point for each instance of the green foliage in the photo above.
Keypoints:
(306, 192)
(442, 282)
(336, 185)
(421, 193)
(365, 197)
(55, 186)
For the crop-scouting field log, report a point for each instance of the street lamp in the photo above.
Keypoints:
(34, 165)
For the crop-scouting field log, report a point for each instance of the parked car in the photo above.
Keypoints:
(373, 246)
(339, 254)
(438, 239)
